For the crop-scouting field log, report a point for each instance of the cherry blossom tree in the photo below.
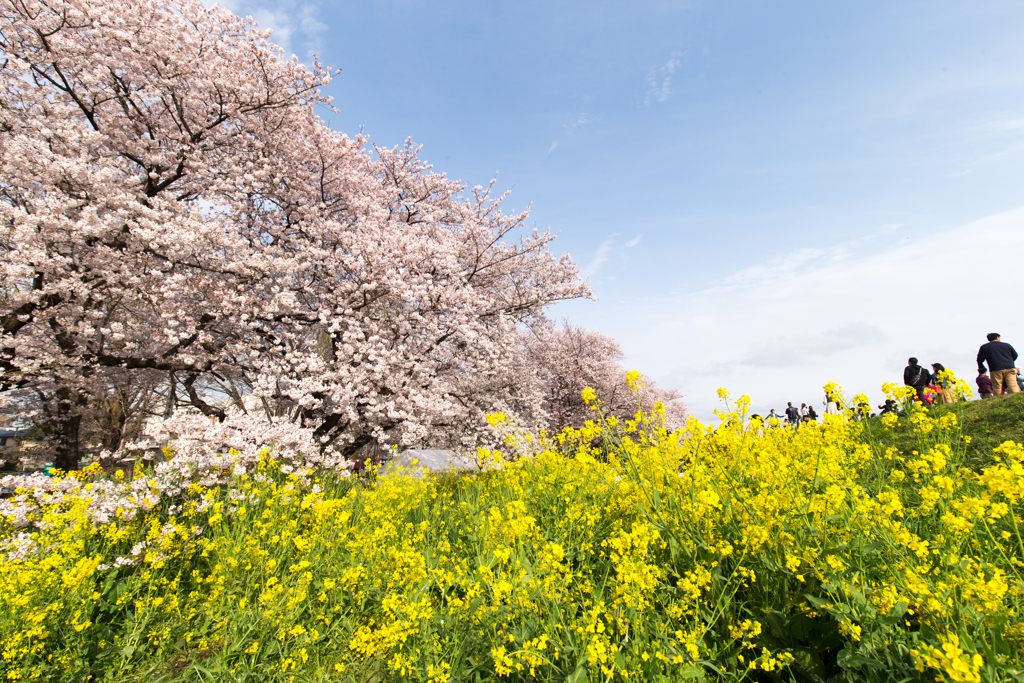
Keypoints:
(172, 203)
(569, 359)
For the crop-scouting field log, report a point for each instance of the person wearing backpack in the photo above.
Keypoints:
(916, 376)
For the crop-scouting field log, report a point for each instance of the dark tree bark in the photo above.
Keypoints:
(65, 417)
(112, 422)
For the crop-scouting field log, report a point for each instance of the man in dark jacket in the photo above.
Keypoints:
(793, 415)
(1001, 359)
(916, 376)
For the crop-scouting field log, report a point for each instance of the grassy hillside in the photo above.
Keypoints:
(984, 424)
(989, 423)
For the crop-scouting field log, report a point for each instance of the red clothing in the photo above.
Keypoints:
(984, 384)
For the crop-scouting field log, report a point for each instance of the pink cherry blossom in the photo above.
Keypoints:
(570, 359)
(174, 207)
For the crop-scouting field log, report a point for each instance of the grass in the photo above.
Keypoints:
(984, 425)
(989, 423)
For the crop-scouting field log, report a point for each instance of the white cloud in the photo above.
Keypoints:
(570, 128)
(990, 158)
(660, 80)
(230, 5)
(599, 258)
(635, 241)
(279, 23)
(851, 313)
(765, 273)
(1000, 125)
(292, 24)
(312, 28)
(787, 351)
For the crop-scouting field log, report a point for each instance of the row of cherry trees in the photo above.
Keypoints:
(179, 224)
(568, 359)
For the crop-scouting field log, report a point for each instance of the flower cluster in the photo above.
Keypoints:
(617, 551)
(203, 451)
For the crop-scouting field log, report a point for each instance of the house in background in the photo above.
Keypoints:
(14, 436)
(9, 437)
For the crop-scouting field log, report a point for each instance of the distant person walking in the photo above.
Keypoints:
(811, 415)
(984, 384)
(916, 376)
(792, 414)
(1001, 359)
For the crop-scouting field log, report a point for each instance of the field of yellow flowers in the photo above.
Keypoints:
(742, 551)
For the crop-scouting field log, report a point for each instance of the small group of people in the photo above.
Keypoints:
(794, 416)
(932, 387)
(1001, 375)
(935, 386)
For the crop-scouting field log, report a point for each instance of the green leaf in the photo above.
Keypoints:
(898, 612)
(871, 547)
(851, 660)
(816, 601)
(691, 671)
(577, 676)
(807, 661)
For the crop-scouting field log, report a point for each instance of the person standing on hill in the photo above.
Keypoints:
(916, 376)
(1001, 359)
(984, 384)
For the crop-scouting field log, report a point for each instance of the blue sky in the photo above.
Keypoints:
(764, 195)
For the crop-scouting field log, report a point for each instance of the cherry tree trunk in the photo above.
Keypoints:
(66, 421)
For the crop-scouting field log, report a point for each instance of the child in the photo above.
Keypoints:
(984, 384)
